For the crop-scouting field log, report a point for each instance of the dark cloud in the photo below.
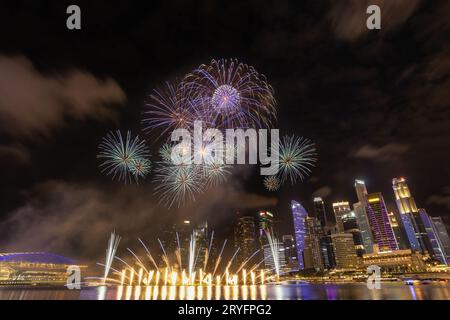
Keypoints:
(348, 17)
(442, 199)
(387, 153)
(323, 192)
(72, 218)
(15, 154)
(35, 103)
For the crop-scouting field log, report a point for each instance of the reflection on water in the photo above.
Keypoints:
(342, 291)
(186, 292)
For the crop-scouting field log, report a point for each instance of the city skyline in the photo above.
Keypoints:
(351, 97)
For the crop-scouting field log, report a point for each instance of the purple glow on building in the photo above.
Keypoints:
(299, 215)
(379, 222)
(438, 252)
(410, 233)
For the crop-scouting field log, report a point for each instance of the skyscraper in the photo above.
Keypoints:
(436, 246)
(245, 237)
(179, 241)
(344, 250)
(409, 214)
(290, 253)
(397, 231)
(299, 215)
(201, 234)
(319, 210)
(379, 222)
(361, 191)
(327, 252)
(312, 252)
(280, 257)
(361, 215)
(350, 225)
(265, 223)
(339, 209)
(442, 235)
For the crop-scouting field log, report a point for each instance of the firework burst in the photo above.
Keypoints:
(215, 174)
(177, 183)
(165, 152)
(139, 168)
(272, 183)
(232, 95)
(297, 155)
(169, 108)
(124, 157)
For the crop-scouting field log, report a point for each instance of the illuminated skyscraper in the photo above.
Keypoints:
(321, 213)
(202, 236)
(339, 209)
(442, 235)
(361, 191)
(312, 253)
(379, 222)
(351, 226)
(397, 231)
(412, 223)
(289, 252)
(245, 237)
(344, 250)
(178, 239)
(299, 215)
(437, 252)
(265, 223)
(361, 215)
(269, 259)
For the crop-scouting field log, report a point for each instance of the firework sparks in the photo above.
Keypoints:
(140, 167)
(113, 244)
(232, 95)
(165, 152)
(272, 183)
(274, 248)
(296, 157)
(215, 174)
(170, 108)
(177, 183)
(136, 273)
(121, 156)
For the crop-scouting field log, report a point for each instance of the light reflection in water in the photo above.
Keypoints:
(137, 292)
(413, 292)
(234, 292)
(128, 293)
(101, 293)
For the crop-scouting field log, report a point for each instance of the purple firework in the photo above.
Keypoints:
(170, 108)
(231, 94)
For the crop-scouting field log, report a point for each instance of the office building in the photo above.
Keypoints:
(379, 222)
(344, 251)
(409, 214)
(397, 229)
(339, 209)
(312, 253)
(320, 211)
(350, 225)
(443, 237)
(270, 259)
(437, 251)
(290, 253)
(245, 237)
(299, 215)
(361, 215)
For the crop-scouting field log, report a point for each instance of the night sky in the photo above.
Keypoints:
(376, 103)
